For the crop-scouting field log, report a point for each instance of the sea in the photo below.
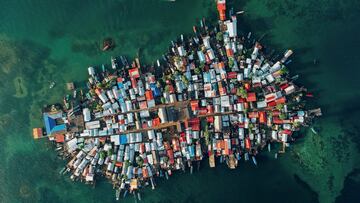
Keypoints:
(48, 40)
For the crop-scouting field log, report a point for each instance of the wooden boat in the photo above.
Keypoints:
(108, 44)
(212, 160)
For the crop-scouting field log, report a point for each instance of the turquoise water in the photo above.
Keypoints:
(42, 41)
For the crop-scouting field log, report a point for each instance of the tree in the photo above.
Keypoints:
(139, 161)
(202, 66)
(231, 62)
(185, 80)
(197, 71)
(110, 152)
(92, 92)
(100, 85)
(162, 100)
(296, 124)
(166, 159)
(167, 89)
(279, 106)
(284, 70)
(219, 36)
(241, 92)
(282, 116)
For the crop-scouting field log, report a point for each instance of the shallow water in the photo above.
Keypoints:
(43, 41)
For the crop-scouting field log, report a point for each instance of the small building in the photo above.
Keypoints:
(251, 97)
(37, 133)
(86, 114)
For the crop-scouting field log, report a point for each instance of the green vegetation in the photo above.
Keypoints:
(282, 116)
(279, 106)
(102, 155)
(284, 70)
(241, 92)
(207, 135)
(139, 161)
(185, 80)
(126, 164)
(162, 100)
(110, 152)
(202, 66)
(231, 62)
(219, 36)
(167, 88)
(197, 71)
(100, 86)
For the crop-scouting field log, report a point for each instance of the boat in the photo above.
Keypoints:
(314, 131)
(249, 35)
(108, 44)
(62, 170)
(52, 84)
(269, 147)
(152, 183)
(238, 157)
(276, 155)
(295, 77)
(246, 156)
(125, 193)
(117, 194)
(212, 160)
(113, 63)
(74, 94)
(309, 94)
(221, 159)
(139, 196)
(240, 12)
(232, 161)
(254, 160)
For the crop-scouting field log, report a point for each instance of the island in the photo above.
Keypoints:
(214, 95)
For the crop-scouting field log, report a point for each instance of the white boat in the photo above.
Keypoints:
(52, 84)
(246, 156)
(254, 160)
(276, 155)
(240, 12)
(113, 63)
(117, 194)
(269, 147)
(314, 131)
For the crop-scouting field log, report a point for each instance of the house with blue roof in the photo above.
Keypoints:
(54, 124)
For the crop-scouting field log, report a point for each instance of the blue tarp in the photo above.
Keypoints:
(123, 139)
(156, 91)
